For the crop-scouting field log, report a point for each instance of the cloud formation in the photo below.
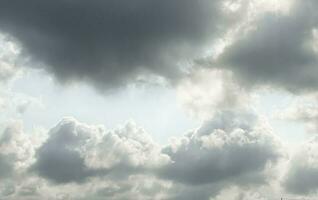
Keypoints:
(115, 164)
(233, 154)
(305, 110)
(75, 151)
(232, 147)
(205, 92)
(301, 177)
(9, 53)
(277, 49)
(110, 43)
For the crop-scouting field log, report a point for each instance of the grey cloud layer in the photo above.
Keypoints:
(111, 42)
(280, 50)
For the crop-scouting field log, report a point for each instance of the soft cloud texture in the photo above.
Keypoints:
(110, 43)
(301, 177)
(277, 49)
(305, 110)
(228, 150)
(9, 53)
(17, 150)
(75, 151)
(206, 92)
(232, 147)
(234, 154)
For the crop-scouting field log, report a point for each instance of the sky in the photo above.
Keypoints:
(158, 99)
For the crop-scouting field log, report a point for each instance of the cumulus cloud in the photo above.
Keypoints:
(75, 151)
(277, 49)
(110, 43)
(233, 147)
(225, 149)
(302, 175)
(17, 150)
(231, 155)
(119, 163)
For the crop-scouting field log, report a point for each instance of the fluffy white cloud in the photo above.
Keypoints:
(124, 162)
(75, 151)
(16, 150)
(9, 53)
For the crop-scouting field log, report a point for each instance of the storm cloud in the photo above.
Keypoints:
(110, 43)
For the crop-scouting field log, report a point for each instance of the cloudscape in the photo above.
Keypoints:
(158, 99)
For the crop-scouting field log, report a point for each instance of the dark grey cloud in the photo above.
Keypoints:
(278, 50)
(111, 42)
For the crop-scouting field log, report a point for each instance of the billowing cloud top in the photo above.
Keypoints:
(233, 148)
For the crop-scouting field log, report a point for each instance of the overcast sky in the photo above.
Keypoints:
(158, 99)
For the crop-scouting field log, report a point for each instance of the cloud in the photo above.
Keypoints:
(235, 193)
(302, 175)
(110, 43)
(9, 55)
(139, 187)
(277, 49)
(230, 149)
(303, 109)
(227, 149)
(233, 146)
(205, 92)
(16, 150)
(75, 151)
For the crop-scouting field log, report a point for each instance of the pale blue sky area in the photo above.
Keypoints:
(153, 107)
